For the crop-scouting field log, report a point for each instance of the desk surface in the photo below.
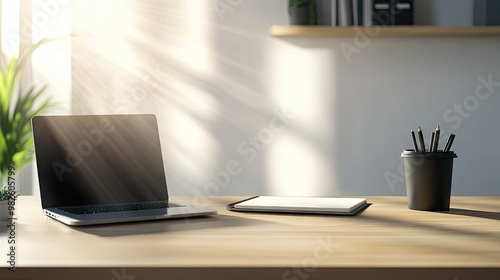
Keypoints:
(386, 235)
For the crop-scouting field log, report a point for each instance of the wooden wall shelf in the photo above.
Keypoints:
(385, 31)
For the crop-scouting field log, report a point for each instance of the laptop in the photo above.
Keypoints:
(100, 169)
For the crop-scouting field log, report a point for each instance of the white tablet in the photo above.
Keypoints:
(294, 204)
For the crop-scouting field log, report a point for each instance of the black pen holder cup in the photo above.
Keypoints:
(428, 179)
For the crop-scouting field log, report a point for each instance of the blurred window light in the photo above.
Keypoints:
(9, 27)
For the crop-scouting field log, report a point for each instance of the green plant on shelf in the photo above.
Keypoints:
(310, 5)
(300, 3)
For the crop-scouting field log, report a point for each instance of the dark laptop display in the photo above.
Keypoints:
(85, 160)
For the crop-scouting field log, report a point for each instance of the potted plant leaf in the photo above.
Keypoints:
(6, 196)
(17, 106)
(302, 12)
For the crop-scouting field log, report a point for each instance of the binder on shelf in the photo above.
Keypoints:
(334, 12)
(371, 12)
(367, 12)
(382, 12)
(343, 13)
(359, 11)
(355, 15)
(323, 9)
(486, 12)
(349, 12)
(388, 12)
(403, 12)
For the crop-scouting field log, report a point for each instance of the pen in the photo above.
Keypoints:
(421, 140)
(415, 146)
(436, 139)
(447, 147)
(432, 141)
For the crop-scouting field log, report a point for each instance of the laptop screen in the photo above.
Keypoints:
(84, 160)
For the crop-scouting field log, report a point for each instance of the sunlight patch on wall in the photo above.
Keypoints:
(105, 27)
(185, 44)
(193, 144)
(190, 144)
(300, 161)
(191, 21)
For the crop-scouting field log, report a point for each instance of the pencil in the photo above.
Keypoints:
(436, 139)
(415, 146)
(447, 147)
(421, 140)
(432, 141)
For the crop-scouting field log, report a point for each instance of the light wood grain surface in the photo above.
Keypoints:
(387, 235)
(385, 31)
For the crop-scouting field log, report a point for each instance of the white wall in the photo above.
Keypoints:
(215, 77)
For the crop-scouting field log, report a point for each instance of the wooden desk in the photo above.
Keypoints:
(386, 241)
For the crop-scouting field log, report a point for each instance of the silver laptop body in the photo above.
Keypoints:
(100, 169)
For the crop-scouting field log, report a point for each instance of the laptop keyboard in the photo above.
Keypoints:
(118, 207)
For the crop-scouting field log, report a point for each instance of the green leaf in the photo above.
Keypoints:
(17, 107)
